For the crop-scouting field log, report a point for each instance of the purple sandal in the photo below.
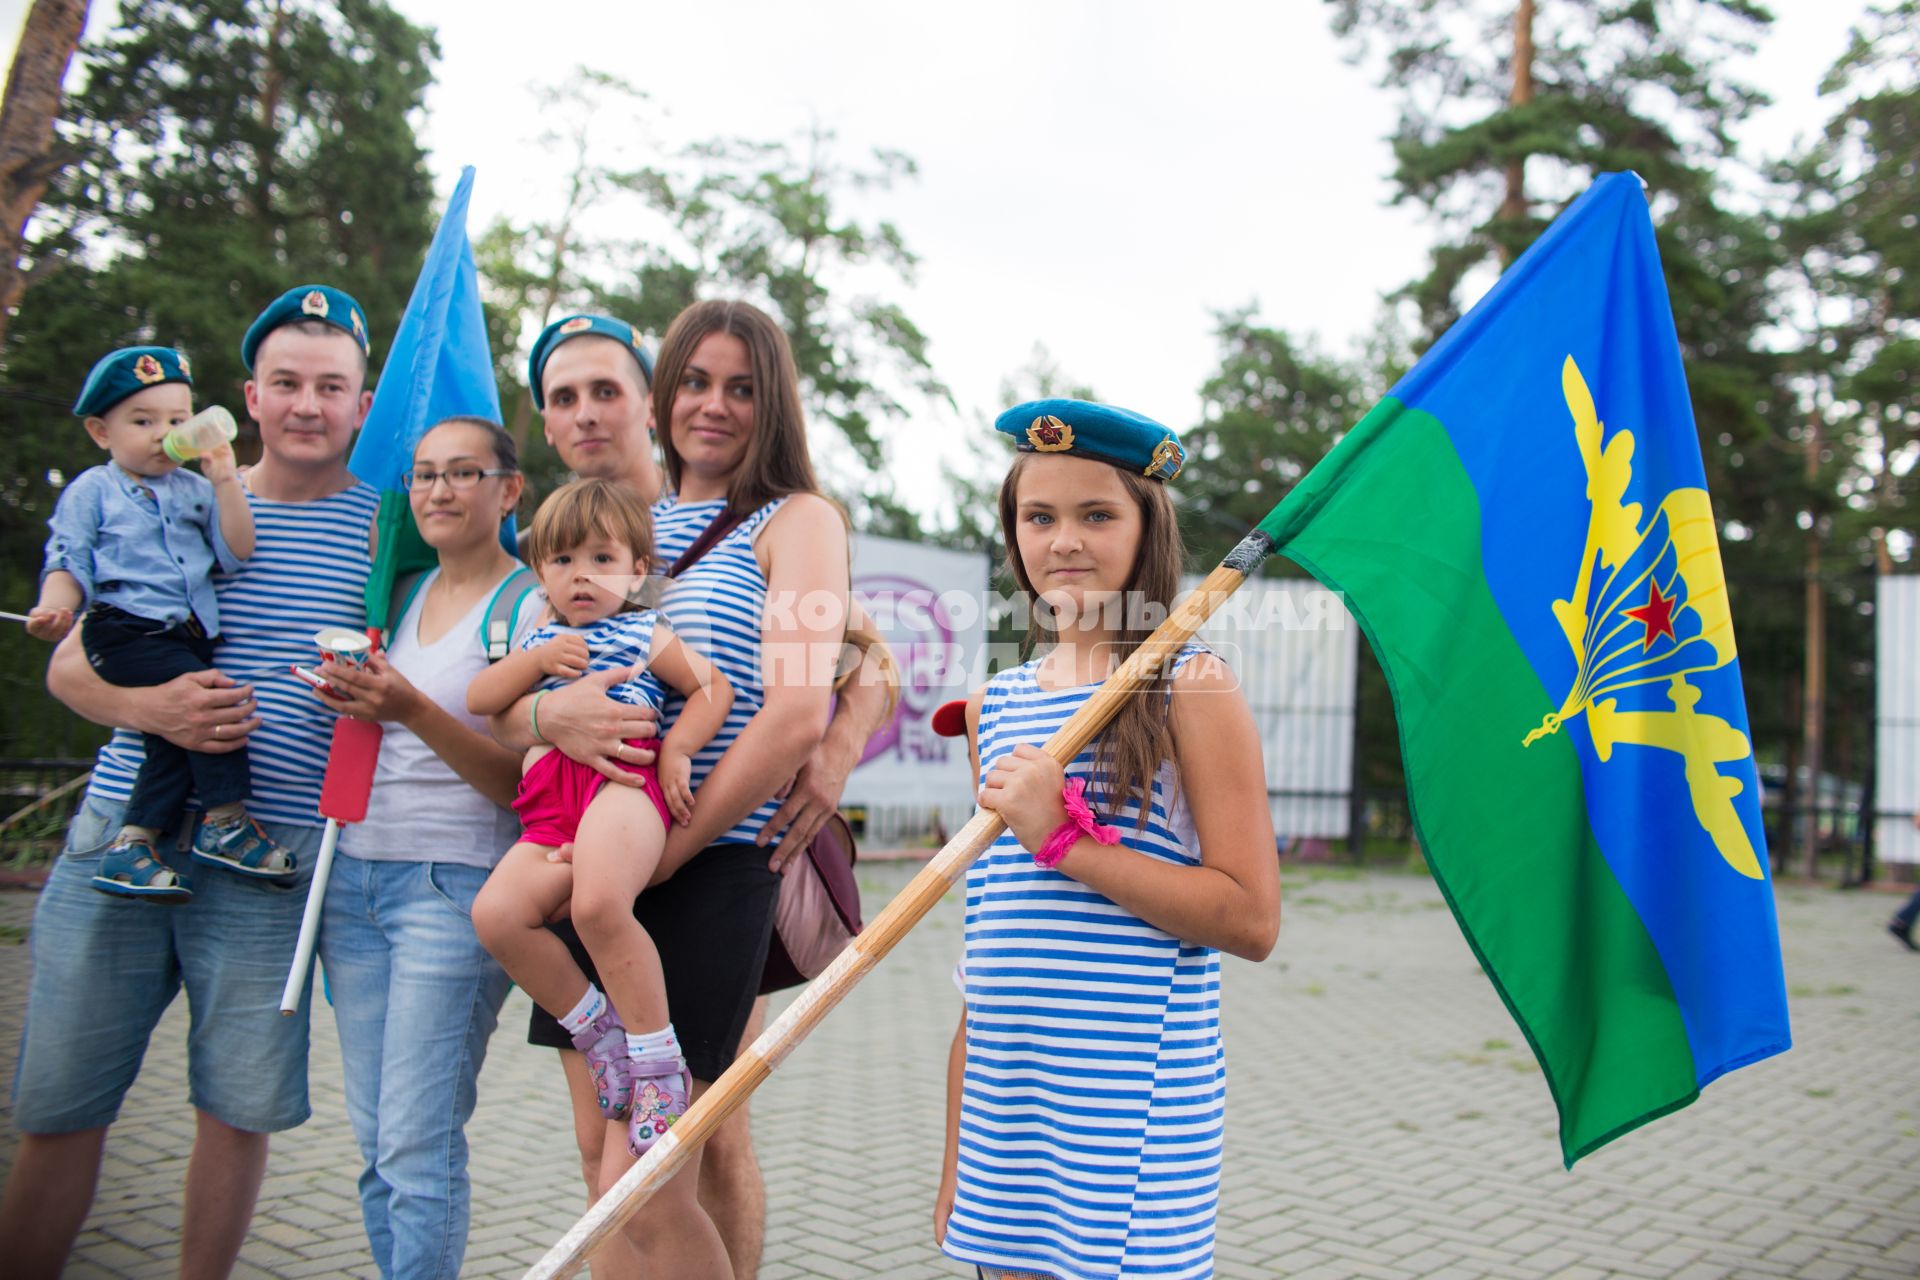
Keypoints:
(661, 1088)
(604, 1042)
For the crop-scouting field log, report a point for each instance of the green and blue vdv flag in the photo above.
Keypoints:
(1523, 530)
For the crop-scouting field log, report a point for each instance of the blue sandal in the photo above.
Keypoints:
(243, 848)
(132, 870)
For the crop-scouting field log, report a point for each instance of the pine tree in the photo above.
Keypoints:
(1509, 109)
(227, 151)
(29, 154)
(1849, 234)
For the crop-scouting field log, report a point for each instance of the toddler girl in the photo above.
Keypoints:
(590, 544)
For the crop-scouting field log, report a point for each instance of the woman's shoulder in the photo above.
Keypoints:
(809, 511)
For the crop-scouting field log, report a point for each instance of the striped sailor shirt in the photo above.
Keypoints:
(1093, 1110)
(308, 571)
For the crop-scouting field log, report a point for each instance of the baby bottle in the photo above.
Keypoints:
(203, 432)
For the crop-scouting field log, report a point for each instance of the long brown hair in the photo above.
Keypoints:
(1130, 750)
(777, 462)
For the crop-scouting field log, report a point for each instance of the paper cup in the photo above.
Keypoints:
(344, 645)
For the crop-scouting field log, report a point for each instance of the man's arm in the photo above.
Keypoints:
(200, 711)
(585, 724)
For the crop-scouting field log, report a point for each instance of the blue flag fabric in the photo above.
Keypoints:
(439, 366)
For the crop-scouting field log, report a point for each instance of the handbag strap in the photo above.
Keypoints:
(723, 523)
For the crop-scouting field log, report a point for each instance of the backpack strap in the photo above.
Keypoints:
(503, 613)
(405, 588)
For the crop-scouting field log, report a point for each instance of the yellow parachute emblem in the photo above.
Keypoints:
(1604, 647)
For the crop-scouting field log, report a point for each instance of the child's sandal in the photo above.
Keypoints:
(243, 848)
(604, 1043)
(662, 1088)
(133, 870)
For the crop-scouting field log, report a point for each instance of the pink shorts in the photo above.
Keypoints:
(557, 790)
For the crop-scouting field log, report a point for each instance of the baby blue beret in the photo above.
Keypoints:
(308, 302)
(573, 327)
(1118, 437)
(119, 374)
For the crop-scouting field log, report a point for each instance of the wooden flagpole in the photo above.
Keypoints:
(758, 1061)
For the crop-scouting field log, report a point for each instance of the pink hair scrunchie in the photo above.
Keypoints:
(1080, 821)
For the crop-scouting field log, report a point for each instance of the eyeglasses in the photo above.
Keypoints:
(457, 478)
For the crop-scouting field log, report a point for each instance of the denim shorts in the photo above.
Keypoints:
(105, 968)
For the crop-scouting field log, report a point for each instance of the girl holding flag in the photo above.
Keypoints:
(1086, 1084)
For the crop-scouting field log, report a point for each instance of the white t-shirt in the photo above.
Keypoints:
(421, 810)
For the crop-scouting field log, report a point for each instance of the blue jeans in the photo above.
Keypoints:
(106, 968)
(415, 997)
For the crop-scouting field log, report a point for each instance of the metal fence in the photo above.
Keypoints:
(1332, 801)
(37, 800)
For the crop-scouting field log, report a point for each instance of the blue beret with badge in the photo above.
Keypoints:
(1104, 432)
(122, 373)
(320, 302)
(579, 326)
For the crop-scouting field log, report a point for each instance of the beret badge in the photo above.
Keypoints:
(1050, 435)
(1168, 458)
(148, 370)
(314, 304)
(579, 324)
(359, 325)
(186, 370)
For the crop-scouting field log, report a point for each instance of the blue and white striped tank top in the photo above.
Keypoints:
(308, 570)
(623, 640)
(1092, 1115)
(716, 606)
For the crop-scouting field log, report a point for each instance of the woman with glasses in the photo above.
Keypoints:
(415, 996)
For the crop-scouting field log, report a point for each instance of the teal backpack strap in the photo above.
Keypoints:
(503, 612)
(405, 588)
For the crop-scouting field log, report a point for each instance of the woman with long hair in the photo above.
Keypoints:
(766, 601)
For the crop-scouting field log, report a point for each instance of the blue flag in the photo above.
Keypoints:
(1523, 530)
(439, 366)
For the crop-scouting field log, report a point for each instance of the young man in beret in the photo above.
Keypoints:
(104, 969)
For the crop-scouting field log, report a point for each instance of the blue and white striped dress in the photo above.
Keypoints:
(308, 570)
(623, 640)
(716, 607)
(1093, 1112)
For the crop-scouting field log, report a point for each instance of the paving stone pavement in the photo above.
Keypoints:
(1385, 1120)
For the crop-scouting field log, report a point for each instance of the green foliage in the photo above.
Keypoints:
(1850, 231)
(1641, 87)
(229, 150)
(764, 220)
(1273, 409)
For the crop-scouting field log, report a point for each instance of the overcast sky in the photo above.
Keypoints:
(1096, 177)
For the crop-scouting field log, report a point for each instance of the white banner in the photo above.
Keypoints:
(930, 605)
(1896, 775)
(1296, 650)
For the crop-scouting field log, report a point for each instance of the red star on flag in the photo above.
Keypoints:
(1656, 613)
